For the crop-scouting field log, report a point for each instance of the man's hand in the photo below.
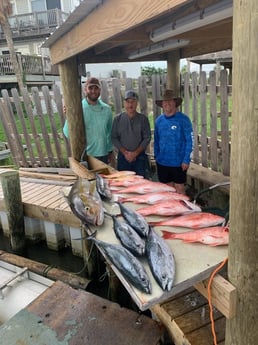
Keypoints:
(130, 156)
(184, 166)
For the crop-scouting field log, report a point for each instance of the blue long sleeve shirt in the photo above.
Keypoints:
(173, 139)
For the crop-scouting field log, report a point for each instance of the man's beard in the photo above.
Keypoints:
(92, 98)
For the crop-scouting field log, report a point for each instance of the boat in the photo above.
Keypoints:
(18, 287)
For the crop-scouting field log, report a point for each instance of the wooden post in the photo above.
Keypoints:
(243, 244)
(14, 209)
(44, 270)
(72, 100)
(173, 71)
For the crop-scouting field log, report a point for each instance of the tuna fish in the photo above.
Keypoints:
(128, 237)
(147, 187)
(85, 202)
(213, 236)
(194, 220)
(169, 208)
(127, 264)
(152, 198)
(134, 219)
(161, 260)
(103, 187)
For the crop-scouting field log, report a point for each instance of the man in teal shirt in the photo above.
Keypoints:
(97, 117)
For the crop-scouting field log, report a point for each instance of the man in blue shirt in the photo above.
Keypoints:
(173, 142)
(97, 117)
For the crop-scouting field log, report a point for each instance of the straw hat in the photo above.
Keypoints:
(168, 95)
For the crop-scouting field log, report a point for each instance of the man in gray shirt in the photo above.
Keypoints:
(131, 135)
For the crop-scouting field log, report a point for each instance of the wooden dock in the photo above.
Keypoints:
(42, 200)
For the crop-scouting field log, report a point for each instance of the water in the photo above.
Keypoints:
(63, 259)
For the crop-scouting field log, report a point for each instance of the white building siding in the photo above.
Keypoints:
(22, 6)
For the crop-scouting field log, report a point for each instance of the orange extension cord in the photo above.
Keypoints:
(209, 299)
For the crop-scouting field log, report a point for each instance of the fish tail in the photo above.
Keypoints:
(167, 234)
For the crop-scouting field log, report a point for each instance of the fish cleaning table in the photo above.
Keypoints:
(194, 262)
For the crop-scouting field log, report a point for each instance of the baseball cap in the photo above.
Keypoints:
(92, 82)
(131, 94)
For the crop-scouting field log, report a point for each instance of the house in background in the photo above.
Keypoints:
(31, 23)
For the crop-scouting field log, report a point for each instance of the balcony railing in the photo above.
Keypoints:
(35, 23)
(37, 65)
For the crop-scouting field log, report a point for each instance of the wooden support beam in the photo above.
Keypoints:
(223, 295)
(208, 176)
(72, 101)
(173, 71)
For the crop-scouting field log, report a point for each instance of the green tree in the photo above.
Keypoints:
(150, 70)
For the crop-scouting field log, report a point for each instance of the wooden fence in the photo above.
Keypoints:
(207, 104)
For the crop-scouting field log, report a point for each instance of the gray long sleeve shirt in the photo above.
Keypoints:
(130, 133)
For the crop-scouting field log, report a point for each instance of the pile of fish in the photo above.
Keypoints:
(141, 240)
(138, 242)
(162, 200)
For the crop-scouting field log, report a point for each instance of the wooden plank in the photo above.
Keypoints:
(143, 95)
(223, 295)
(208, 176)
(29, 111)
(116, 88)
(122, 16)
(53, 182)
(50, 114)
(30, 189)
(48, 148)
(183, 303)
(44, 270)
(213, 122)
(55, 198)
(47, 176)
(39, 198)
(81, 171)
(21, 117)
(195, 119)
(65, 217)
(203, 86)
(9, 127)
(58, 99)
(187, 319)
(50, 170)
(203, 336)
(224, 123)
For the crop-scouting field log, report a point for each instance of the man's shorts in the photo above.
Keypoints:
(171, 174)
